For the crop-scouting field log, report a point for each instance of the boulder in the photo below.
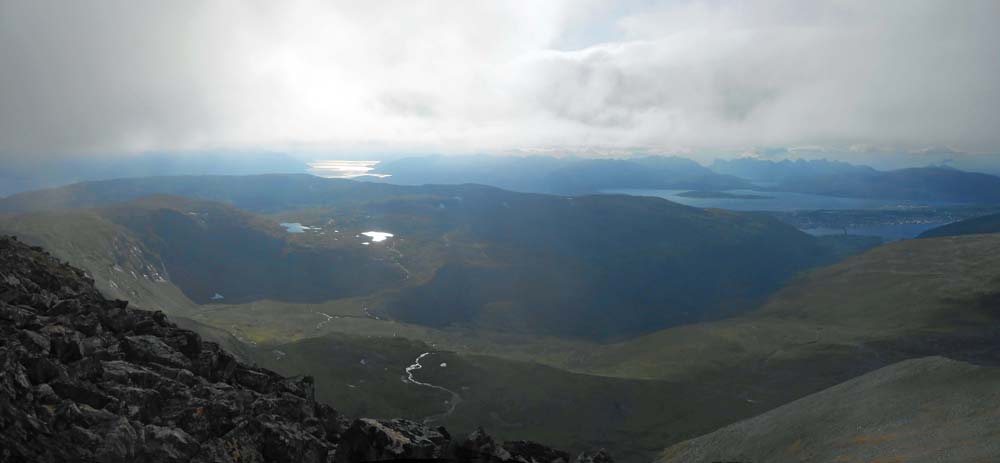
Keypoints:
(523, 451)
(380, 440)
(151, 349)
(597, 456)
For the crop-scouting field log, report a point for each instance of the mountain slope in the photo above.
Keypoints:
(122, 266)
(214, 251)
(623, 264)
(153, 248)
(924, 183)
(32, 172)
(462, 255)
(759, 170)
(545, 174)
(835, 178)
(89, 379)
(973, 226)
(900, 301)
(515, 400)
(920, 411)
(904, 300)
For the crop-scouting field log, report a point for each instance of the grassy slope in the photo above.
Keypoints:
(977, 225)
(917, 288)
(597, 267)
(512, 399)
(831, 325)
(919, 411)
(122, 266)
(899, 301)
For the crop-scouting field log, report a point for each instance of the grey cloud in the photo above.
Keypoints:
(407, 104)
(900, 73)
(121, 76)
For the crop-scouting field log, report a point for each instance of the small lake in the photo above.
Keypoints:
(777, 201)
(295, 227)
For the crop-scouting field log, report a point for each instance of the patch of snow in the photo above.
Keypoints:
(377, 236)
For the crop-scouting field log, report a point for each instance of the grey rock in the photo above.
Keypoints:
(533, 452)
(164, 444)
(597, 456)
(380, 440)
(151, 349)
(83, 378)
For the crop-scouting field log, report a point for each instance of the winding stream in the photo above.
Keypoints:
(455, 398)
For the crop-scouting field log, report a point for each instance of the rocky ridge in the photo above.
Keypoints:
(84, 378)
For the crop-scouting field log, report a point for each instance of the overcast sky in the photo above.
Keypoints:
(472, 76)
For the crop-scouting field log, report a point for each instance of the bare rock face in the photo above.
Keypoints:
(88, 379)
(533, 452)
(599, 456)
(480, 447)
(379, 440)
(83, 378)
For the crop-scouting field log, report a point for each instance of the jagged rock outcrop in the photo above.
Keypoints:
(89, 379)
(378, 440)
(83, 378)
(599, 456)
(481, 448)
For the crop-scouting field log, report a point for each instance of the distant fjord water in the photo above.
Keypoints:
(777, 200)
(787, 202)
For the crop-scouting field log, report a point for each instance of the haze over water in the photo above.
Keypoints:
(344, 169)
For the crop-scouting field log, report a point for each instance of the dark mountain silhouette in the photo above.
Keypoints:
(974, 226)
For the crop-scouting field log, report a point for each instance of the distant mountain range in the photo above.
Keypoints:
(577, 176)
(33, 174)
(777, 172)
(928, 183)
(545, 174)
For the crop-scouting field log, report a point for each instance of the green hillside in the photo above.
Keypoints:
(920, 411)
(512, 399)
(594, 267)
(900, 301)
(974, 226)
(621, 345)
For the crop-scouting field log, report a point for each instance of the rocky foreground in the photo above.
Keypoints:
(83, 378)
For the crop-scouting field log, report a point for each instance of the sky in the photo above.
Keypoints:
(129, 76)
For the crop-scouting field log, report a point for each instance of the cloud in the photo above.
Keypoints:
(456, 76)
